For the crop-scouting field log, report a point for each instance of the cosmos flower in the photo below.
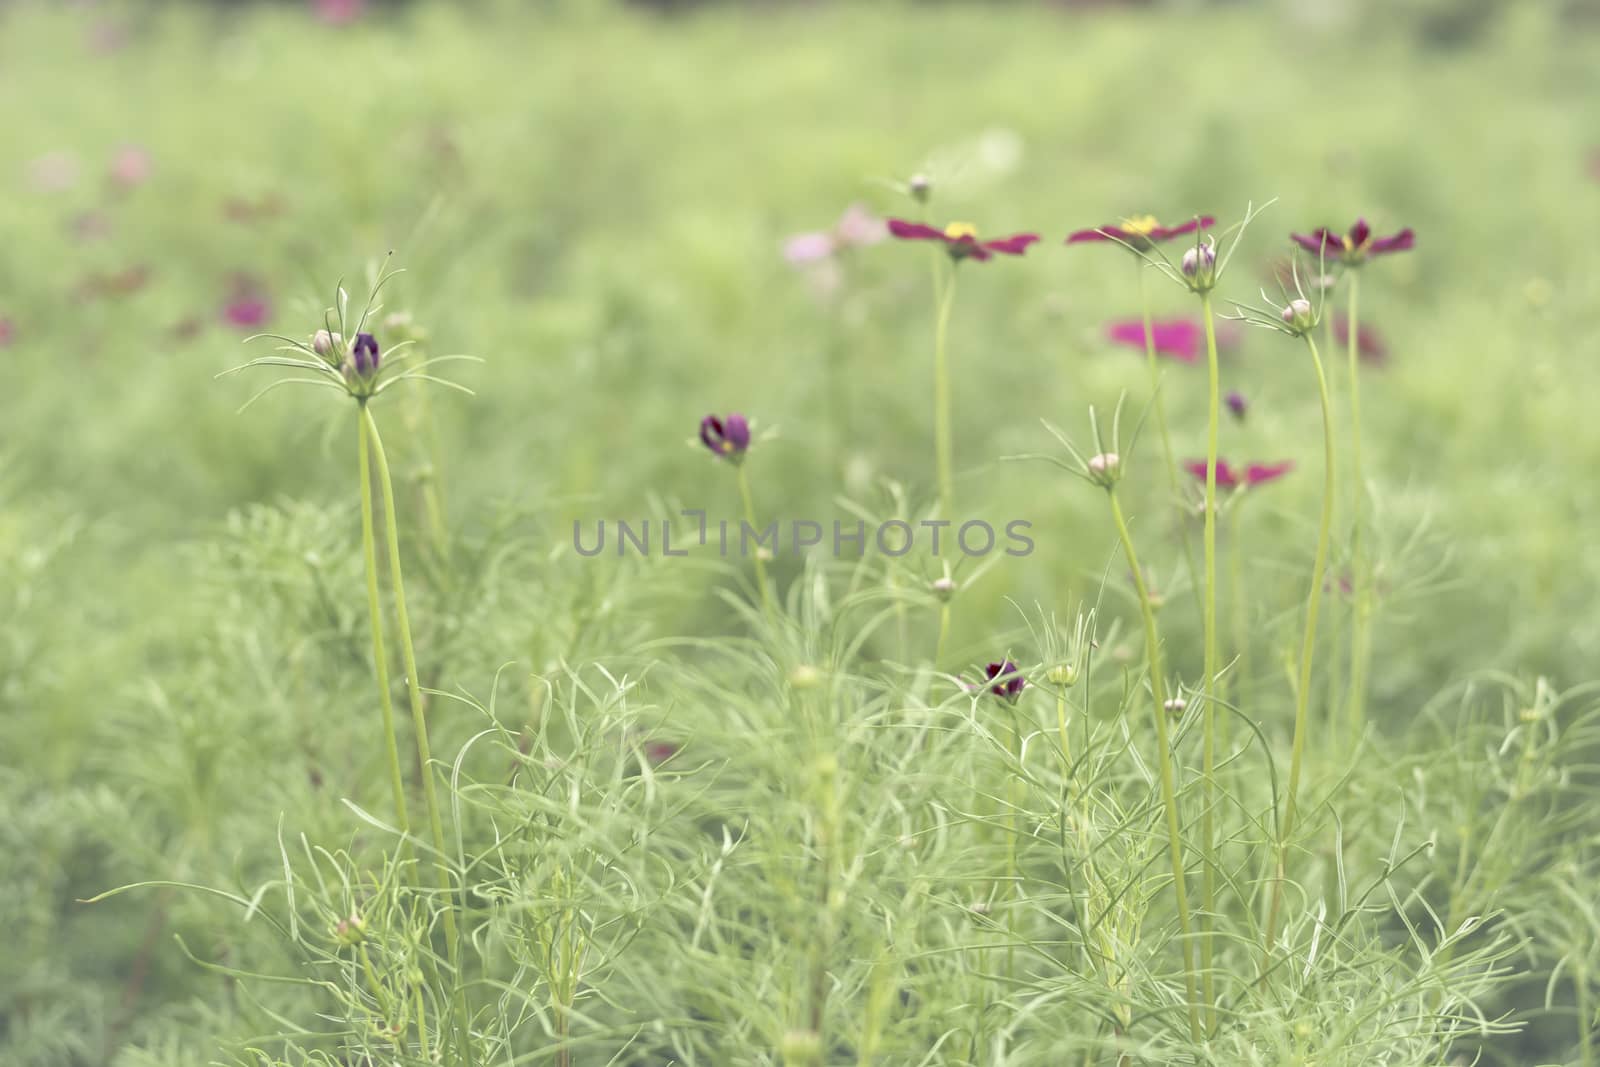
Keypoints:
(1142, 231)
(247, 308)
(1354, 248)
(1010, 684)
(1253, 475)
(8, 332)
(728, 438)
(1182, 339)
(130, 167)
(961, 239)
(337, 12)
(1370, 345)
(856, 228)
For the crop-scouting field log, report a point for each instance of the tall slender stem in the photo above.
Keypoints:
(1169, 790)
(380, 657)
(1208, 829)
(430, 795)
(750, 520)
(1308, 646)
(1361, 585)
(941, 398)
(1158, 402)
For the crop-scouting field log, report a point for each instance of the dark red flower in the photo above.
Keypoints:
(728, 438)
(1228, 478)
(1370, 345)
(1141, 231)
(1354, 248)
(1010, 682)
(961, 239)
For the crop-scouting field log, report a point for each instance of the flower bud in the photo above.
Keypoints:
(1105, 469)
(1299, 316)
(326, 344)
(1200, 266)
(351, 931)
(944, 588)
(1236, 405)
(1175, 706)
(920, 187)
(805, 676)
(365, 354)
(1063, 674)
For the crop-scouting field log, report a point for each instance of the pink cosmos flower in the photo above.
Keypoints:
(1142, 231)
(1370, 345)
(8, 332)
(961, 240)
(1182, 339)
(247, 308)
(1253, 475)
(856, 228)
(130, 167)
(338, 12)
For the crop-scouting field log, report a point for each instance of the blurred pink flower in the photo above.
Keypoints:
(8, 332)
(856, 228)
(1182, 339)
(130, 167)
(338, 12)
(54, 172)
(247, 308)
(1370, 345)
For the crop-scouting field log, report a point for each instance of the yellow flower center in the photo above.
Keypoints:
(957, 230)
(1141, 225)
(727, 446)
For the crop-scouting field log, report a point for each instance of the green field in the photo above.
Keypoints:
(699, 810)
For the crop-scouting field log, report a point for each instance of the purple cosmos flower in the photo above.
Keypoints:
(1010, 684)
(1370, 345)
(728, 438)
(1355, 247)
(1254, 474)
(961, 240)
(365, 353)
(1141, 231)
(1236, 406)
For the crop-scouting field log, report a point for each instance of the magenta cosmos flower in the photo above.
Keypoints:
(1010, 682)
(728, 438)
(1354, 248)
(1254, 474)
(1182, 339)
(1141, 231)
(961, 239)
(1370, 345)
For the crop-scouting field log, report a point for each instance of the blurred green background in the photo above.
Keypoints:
(595, 199)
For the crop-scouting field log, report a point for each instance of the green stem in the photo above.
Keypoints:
(1308, 646)
(1160, 406)
(1169, 792)
(430, 795)
(944, 633)
(1361, 593)
(941, 399)
(380, 657)
(1013, 882)
(1208, 831)
(750, 520)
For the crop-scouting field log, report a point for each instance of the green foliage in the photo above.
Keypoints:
(683, 827)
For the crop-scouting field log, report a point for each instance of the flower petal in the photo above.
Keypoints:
(1403, 241)
(1359, 233)
(1165, 233)
(914, 231)
(1104, 233)
(1260, 473)
(1014, 245)
(1226, 479)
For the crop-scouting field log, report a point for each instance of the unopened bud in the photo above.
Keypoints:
(1200, 266)
(326, 344)
(1299, 316)
(944, 588)
(351, 931)
(920, 187)
(1175, 706)
(1063, 674)
(1105, 469)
